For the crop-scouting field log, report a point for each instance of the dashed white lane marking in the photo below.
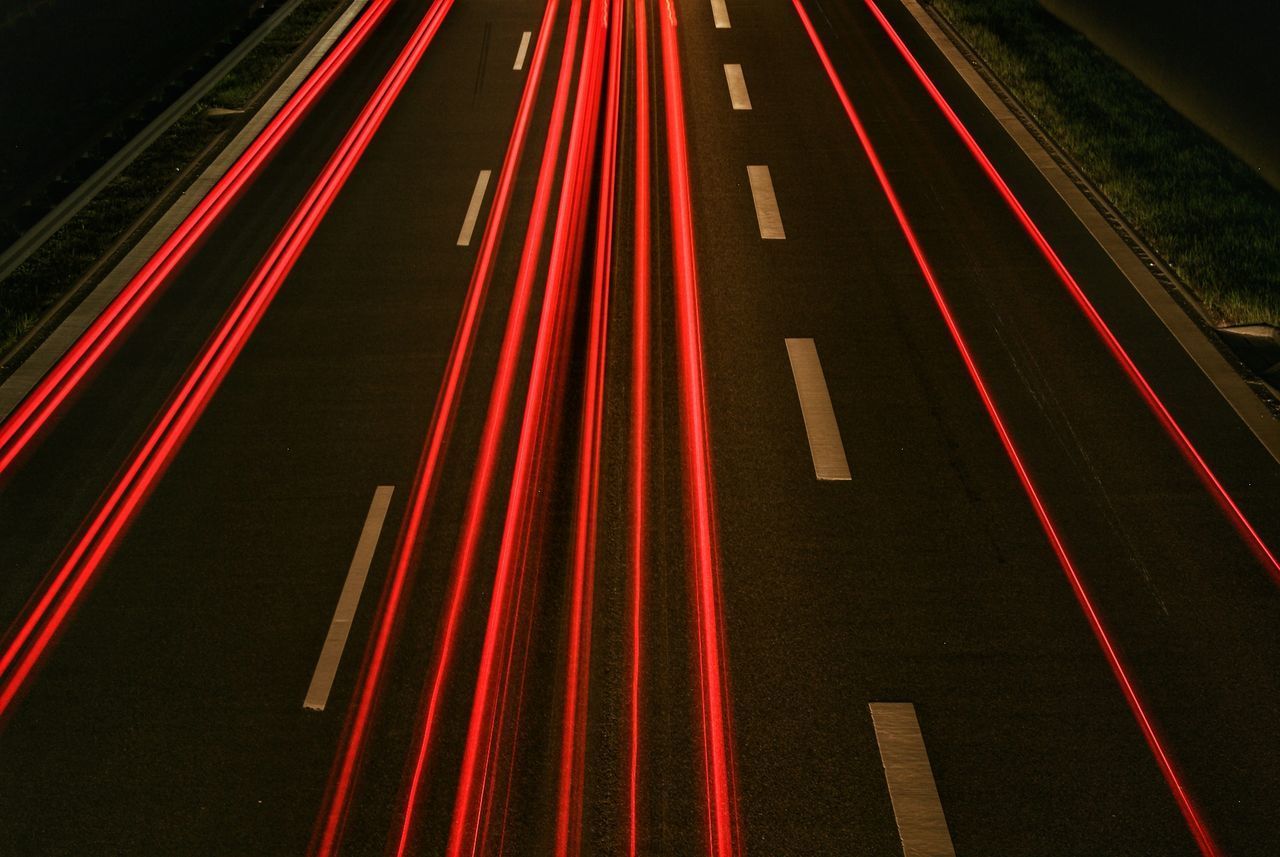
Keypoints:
(916, 807)
(766, 203)
(721, 14)
(829, 462)
(737, 87)
(524, 49)
(340, 627)
(473, 210)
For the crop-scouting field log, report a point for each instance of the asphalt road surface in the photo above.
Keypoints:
(564, 444)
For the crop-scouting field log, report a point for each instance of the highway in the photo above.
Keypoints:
(643, 429)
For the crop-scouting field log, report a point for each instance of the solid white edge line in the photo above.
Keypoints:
(767, 214)
(343, 615)
(738, 96)
(473, 210)
(825, 445)
(721, 14)
(524, 49)
(922, 827)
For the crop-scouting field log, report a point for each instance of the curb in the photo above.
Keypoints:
(34, 366)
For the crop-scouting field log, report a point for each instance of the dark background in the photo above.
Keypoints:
(77, 79)
(1214, 62)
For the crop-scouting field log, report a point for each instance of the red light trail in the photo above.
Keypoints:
(1196, 825)
(573, 734)
(721, 800)
(639, 407)
(128, 493)
(35, 410)
(500, 394)
(1149, 395)
(410, 540)
(464, 834)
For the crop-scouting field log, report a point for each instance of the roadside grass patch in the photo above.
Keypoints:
(1209, 216)
(34, 287)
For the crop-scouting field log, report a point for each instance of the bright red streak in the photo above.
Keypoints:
(577, 670)
(1149, 395)
(424, 484)
(463, 834)
(47, 396)
(639, 406)
(500, 395)
(203, 379)
(39, 405)
(721, 804)
(1198, 828)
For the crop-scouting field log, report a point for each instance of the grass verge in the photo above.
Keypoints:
(1211, 218)
(64, 260)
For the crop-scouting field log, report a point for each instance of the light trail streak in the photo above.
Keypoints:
(721, 801)
(35, 410)
(128, 493)
(639, 407)
(560, 280)
(1197, 826)
(1157, 406)
(577, 670)
(500, 394)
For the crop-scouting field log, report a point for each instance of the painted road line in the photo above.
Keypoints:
(340, 627)
(766, 203)
(916, 807)
(721, 14)
(829, 462)
(524, 49)
(473, 210)
(737, 87)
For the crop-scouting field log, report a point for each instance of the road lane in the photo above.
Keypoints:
(264, 451)
(736, 617)
(1152, 544)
